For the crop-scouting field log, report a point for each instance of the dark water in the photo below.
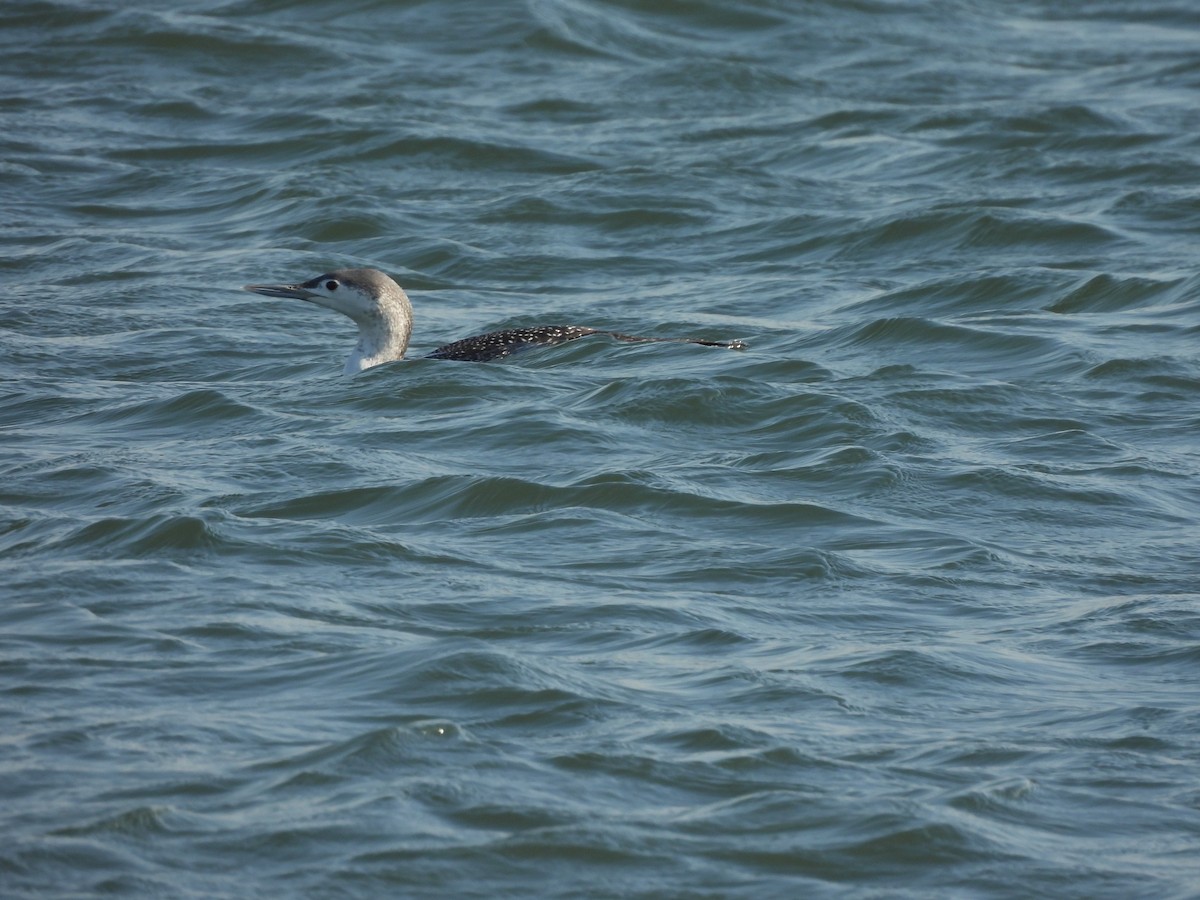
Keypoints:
(901, 601)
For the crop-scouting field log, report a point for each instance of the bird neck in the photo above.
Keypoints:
(382, 334)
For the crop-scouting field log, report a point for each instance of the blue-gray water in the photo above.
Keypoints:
(901, 601)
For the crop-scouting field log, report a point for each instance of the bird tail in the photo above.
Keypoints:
(637, 339)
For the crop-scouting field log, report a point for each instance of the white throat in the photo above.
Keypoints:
(383, 333)
(373, 348)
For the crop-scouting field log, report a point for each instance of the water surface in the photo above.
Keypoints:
(901, 601)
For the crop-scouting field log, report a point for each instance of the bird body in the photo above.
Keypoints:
(383, 314)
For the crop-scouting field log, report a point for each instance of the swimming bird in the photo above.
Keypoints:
(383, 314)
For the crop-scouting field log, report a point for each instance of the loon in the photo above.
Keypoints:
(380, 309)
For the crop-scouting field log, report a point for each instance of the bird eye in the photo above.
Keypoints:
(331, 285)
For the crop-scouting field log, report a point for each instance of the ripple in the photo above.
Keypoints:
(142, 537)
(1106, 293)
(966, 228)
